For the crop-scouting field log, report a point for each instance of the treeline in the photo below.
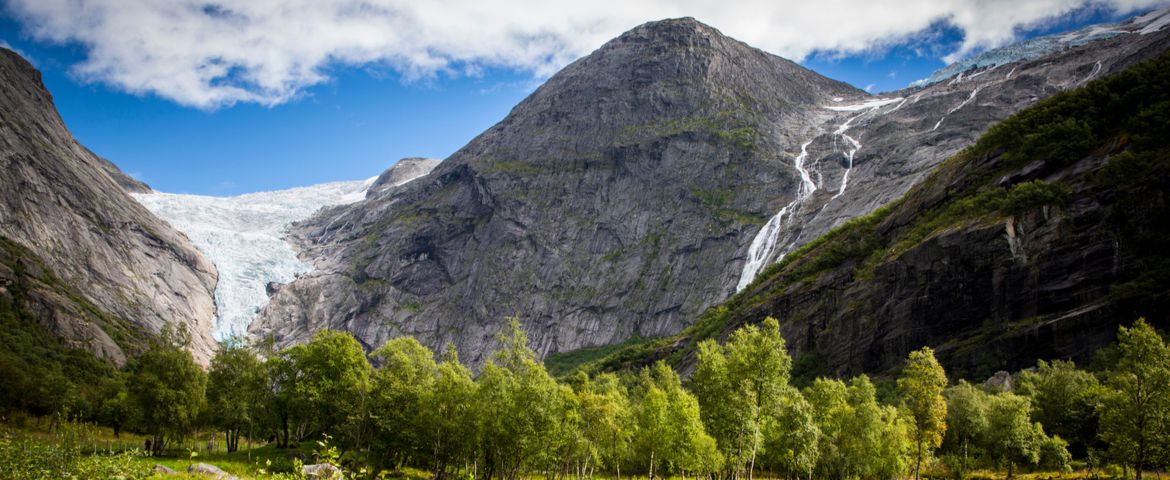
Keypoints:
(737, 415)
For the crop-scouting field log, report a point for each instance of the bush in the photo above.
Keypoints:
(29, 459)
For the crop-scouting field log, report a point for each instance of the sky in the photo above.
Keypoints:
(222, 97)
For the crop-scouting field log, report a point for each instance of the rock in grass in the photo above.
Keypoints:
(321, 471)
(212, 470)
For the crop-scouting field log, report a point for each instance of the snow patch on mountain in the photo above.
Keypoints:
(244, 237)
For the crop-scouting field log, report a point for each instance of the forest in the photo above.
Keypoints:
(738, 415)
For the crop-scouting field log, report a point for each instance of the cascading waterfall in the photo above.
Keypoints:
(957, 107)
(765, 242)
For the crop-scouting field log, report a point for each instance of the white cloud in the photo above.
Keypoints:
(216, 53)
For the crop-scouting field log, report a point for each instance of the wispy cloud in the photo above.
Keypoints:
(215, 53)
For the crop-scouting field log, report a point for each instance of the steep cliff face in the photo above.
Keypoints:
(641, 185)
(1037, 242)
(80, 256)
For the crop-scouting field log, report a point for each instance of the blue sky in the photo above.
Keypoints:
(351, 119)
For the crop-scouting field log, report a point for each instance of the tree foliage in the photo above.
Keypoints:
(235, 385)
(167, 387)
(1135, 413)
(921, 386)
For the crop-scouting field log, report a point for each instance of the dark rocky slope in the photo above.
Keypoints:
(1037, 242)
(626, 195)
(79, 256)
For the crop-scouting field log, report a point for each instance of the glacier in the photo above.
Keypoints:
(244, 236)
(1037, 47)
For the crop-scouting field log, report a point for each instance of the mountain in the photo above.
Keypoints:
(1034, 243)
(244, 235)
(607, 204)
(640, 186)
(80, 258)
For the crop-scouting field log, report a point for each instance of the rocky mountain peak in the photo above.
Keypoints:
(685, 32)
(679, 66)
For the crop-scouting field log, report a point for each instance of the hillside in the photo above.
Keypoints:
(84, 269)
(1036, 242)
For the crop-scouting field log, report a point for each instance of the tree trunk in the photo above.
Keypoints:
(963, 466)
(284, 425)
(651, 464)
(918, 465)
(751, 465)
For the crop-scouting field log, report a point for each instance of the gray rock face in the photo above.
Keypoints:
(609, 203)
(627, 194)
(90, 263)
(405, 170)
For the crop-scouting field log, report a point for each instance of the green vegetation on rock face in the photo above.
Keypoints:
(1049, 168)
(40, 375)
(560, 364)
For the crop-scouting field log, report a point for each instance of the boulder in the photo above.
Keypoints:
(211, 470)
(321, 471)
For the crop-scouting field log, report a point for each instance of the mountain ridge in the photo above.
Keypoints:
(99, 271)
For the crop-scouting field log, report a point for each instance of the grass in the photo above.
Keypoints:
(560, 364)
(30, 442)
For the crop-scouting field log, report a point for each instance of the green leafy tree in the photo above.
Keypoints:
(921, 387)
(280, 397)
(1064, 400)
(605, 416)
(1135, 412)
(1011, 437)
(167, 387)
(653, 432)
(321, 387)
(791, 437)
(519, 405)
(118, 410)
(966, 418)
(400, 400)
(859, 437)
(1054, 455)
(669, 432)
(235, 384)
(740, 387)
(451, 414)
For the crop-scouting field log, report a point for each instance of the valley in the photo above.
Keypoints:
(680, 255)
